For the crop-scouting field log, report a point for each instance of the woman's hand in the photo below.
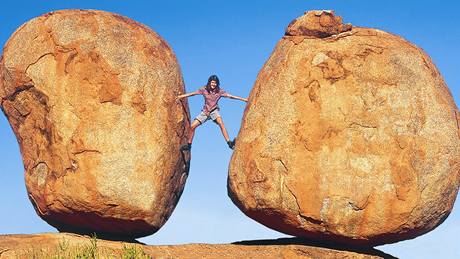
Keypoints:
(242, 99)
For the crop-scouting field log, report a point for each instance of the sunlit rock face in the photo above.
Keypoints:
(90, 97)
(350, 135)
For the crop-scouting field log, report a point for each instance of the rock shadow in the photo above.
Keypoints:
(313, 243)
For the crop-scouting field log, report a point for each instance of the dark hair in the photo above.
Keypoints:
(208, 85)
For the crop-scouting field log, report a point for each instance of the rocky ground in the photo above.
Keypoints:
(65, 245)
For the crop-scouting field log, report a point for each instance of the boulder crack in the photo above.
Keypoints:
(307, 218)
(86, 151)
(17, 91)
(4, 250)
(311, 220)
(361, 125)
(36, 61)
(282, 163)
(359, 207)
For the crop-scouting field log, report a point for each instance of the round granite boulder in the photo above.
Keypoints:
(350, 136)
(90, 97)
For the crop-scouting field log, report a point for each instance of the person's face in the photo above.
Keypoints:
(213, 84)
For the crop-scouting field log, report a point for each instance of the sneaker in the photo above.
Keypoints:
(186, 147)
(231, 144)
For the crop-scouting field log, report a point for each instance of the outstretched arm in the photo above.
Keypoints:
(237, 97)
(186, 95)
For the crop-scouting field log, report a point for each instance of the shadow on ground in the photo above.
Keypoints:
(313, 243)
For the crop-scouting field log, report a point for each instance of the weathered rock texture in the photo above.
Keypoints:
(52, 245)
(317, 24)
(352, 138)
(90, 97)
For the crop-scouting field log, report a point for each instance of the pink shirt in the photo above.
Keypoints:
(211, 99)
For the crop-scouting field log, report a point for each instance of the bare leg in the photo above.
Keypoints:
(222, 128)
(191, 133)
(187, 147)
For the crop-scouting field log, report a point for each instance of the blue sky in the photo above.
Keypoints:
(233, 39)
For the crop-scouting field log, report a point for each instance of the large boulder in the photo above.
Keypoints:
(348, 137)
(90, 97)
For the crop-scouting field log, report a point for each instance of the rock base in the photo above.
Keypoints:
(69, 245)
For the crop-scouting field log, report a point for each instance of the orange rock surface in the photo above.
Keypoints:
(52, 245)
(351, 138)
(90, 97)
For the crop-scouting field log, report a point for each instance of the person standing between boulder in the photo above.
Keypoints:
(211, 93)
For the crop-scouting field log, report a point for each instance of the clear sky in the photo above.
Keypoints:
(233, 39)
